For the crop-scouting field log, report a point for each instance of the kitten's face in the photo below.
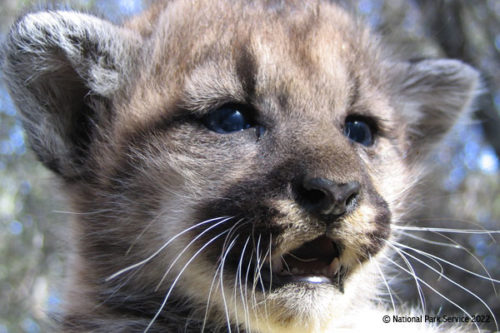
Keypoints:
(270, 149)
(247, 159)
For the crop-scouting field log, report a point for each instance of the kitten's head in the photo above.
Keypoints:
(253, 155)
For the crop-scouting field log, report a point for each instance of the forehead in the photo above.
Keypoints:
(309, 54)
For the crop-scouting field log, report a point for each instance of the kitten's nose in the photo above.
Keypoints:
(326, 197)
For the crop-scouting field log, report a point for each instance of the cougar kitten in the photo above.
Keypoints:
(235, 165)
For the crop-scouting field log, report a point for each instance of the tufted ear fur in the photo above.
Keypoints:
(432, 95)
(61, 69)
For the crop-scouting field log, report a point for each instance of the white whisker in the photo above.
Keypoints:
(268, 253)
(134, 242)
(178, 277)
(473, 256)
(246, 278)
(414, 275)
(429, 255)
(441, 269)
(207, 307)
(216, 274)
(142, 262)
(270, 261)
(225, 251)
(95, 212)
(257, 275)
(433, 289)
(285, 263)
(239, 281)
(301, 259)
(429, 241)
(385, 282)
(221, 279)
(448, 230)
(453, 282)
(185, 249)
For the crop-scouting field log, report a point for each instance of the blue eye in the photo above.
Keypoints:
(359, 131)
(227, 119)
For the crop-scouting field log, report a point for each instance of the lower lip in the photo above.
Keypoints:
(277, 281)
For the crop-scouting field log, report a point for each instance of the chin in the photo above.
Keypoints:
(299, 307)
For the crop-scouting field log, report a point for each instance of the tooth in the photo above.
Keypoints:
(334, 267)
(277, 265)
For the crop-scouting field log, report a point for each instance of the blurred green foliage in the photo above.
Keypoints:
(463, 193)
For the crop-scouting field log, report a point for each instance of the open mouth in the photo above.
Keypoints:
(314, 262)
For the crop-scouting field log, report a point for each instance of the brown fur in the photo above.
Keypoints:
(115, 111)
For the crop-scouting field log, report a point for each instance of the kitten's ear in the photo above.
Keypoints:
(432, 95)
(62, 68)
